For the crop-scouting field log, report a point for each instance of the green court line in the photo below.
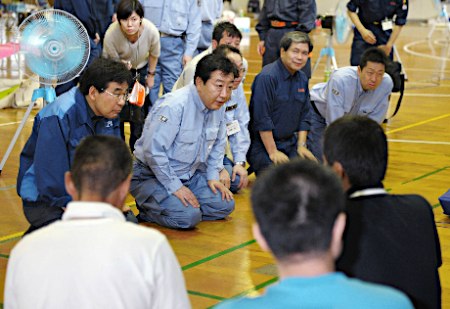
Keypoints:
(253, 289)
(218, 254)
(426, 175)
(5, 256)
(257, 287)
(206, 295)
(436, 205)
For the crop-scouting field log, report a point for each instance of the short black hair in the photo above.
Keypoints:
(101, 163)
(296, 205)
(295, 37)
(373, 54)
(224, 50)
(211, 63)
(225, 26)
(103, 71)
(126, 7)
(359, 144)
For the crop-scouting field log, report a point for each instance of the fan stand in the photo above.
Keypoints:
(330, 63)
(49, 95)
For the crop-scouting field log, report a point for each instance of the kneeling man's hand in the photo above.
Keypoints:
(187, 197)
(278, 157)
(216, 185)
(304, 153)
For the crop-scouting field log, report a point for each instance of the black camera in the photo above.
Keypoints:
(326, 21)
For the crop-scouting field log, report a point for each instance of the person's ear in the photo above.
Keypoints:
(259, 237)
(214, 44)
(93, 93)
(338, 169)
(70, 186)
(337, 233)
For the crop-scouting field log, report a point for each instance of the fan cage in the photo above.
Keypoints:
(55, 45)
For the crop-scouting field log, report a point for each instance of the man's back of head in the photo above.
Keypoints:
(359, 145)
(299, 208)
(296, 205)
(100, 165)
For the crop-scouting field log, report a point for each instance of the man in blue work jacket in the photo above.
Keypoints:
(90, 109)
(377, 23)
(180, 153)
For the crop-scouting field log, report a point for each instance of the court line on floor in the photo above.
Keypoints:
(11, 123)
(417, 142)
(417, 124)
(426, 175)
(7, 188)
(218, 254)
(215, 297)
(407, 49)
(253, 289)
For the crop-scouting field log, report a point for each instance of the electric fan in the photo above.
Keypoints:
(340, 25)
(56, 49)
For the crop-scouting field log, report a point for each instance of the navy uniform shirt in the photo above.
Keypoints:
(376, 11)
(302, 11)
(279, 102)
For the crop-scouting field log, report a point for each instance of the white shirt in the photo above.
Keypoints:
(94, 259)
(187, 76)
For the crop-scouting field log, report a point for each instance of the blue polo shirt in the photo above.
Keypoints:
(279, 102)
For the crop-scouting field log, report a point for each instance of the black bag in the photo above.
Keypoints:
(132, 113)
(394, 69)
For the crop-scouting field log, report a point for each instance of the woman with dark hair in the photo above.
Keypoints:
(134, 40)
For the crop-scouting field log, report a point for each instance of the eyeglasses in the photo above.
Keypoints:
(118, 97)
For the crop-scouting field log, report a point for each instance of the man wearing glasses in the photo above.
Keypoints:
(89, 109)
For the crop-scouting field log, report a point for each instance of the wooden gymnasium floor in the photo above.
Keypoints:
(220, 259)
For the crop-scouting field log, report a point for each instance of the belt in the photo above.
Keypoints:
(165, 35)
(283, 24)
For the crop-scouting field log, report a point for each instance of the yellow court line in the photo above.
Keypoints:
(418, 123)
(11, 236)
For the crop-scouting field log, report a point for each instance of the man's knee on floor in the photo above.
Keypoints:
(187, 219)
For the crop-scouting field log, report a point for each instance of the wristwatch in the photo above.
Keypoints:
(151, 72)
(241, 163)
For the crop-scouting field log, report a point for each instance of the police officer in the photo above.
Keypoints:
(280, 107)
(278, 17)
(179, 24)
(180, 154)
(375, 25)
